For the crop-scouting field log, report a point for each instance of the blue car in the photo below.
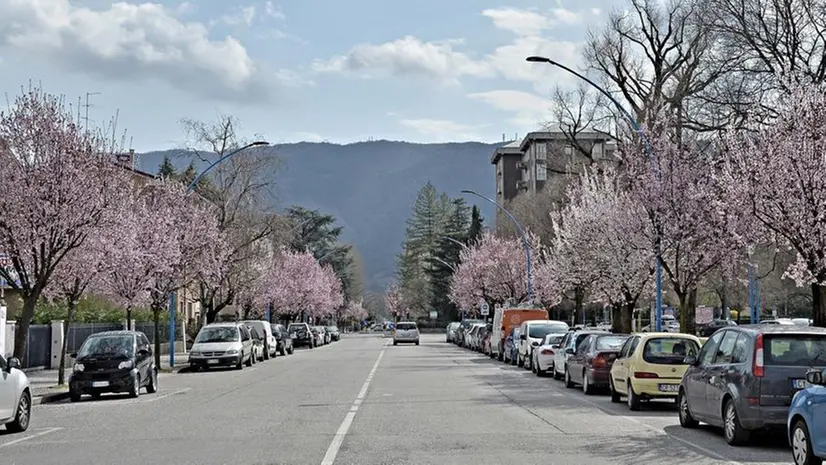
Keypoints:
(807, 421)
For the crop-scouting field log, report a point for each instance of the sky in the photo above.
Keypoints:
(300, 70)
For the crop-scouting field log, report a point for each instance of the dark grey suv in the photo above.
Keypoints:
(744, 377)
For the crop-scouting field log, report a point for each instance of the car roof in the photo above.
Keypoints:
(121, 332)
(647, 336)
(222, 325)
(406, 322)
(778, 329)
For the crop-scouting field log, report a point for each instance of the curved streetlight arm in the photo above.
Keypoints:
(452, 268)
(521, 230)
(221, 160)
(448, 238)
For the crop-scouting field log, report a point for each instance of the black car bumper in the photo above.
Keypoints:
(302, 341)
(100, 382)
(210, 362)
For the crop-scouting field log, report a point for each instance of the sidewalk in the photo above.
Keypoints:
(43, 383)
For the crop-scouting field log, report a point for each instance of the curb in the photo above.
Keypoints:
(50, 398)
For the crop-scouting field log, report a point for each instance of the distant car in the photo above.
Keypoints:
(222, 344)
(15, 396)
(335, 334)
(302, 335)
(113, 361)
(543, 356)
(450, 332)
(406, 331)
(284, 340)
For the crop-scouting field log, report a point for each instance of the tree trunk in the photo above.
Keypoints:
(616, 318)
(579, 299)
(724, 299)
(21, 335)
(688, 311)
(818, 306)
(129, 317)
(156, 316)
(61, 368)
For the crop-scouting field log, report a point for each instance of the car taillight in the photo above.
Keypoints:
(645, 375)
(547, 352)
(758, 369)
(599, 362)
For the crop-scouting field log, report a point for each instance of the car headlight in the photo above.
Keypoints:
(78, 367)
(195, 353)
(125, 365)
(232, 352)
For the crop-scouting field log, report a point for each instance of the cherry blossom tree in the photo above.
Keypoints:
(775, 176)
(354, 312)
(682, 201)
(57, 181)
(393, 299)
(297, 285)
(619, 257)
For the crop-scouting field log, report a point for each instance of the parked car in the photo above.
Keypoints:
(571, 340)
(509, 355)
(745, 377)
(283, 338)
(319, 335)
(715, 325)
(113, 361)
(531, 334)
(464, 327)
(450, 332)
(543, 356)
(590, 364)
(303, 335)
(222, 345)
(15, 396)
(806, 421)
(257, 345)
(265, 330)
(335, 334)
(406, 331)
(651, 366)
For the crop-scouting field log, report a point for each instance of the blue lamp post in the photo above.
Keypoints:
(646, 144)
(525, 244)
(173, 297)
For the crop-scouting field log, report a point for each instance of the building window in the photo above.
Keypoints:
(541, 151)
(569, 150)
(541, 172)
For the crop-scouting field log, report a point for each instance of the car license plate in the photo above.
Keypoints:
(100, 384)
(800, 383)
(669, 387)
(212, 361)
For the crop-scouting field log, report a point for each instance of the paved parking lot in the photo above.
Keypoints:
(360, 401)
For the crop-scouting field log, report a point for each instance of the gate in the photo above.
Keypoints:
(39, 346)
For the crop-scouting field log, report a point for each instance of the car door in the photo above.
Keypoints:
(577, 361)
(246, 340)
(523, 340)
(559, 354)
(8, 391)
(619, 371)
(145, 360)
(717, 381)
(696, 377)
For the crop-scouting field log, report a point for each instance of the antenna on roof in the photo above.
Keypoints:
(503, 137)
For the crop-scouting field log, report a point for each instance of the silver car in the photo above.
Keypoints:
(222, 344)
(15, 396)
(406, 331)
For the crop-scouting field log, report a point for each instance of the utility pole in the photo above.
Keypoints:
(87, 106)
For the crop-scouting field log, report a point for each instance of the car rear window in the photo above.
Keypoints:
(610, 342)
(541, 330)
(406, 326)
(795, 350)
(668, 350)
(554, 338)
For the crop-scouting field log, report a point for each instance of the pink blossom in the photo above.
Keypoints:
(393, 299)
(297, 284)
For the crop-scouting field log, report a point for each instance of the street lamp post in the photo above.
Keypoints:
(647, 145)
(190, 188)
(525, 244)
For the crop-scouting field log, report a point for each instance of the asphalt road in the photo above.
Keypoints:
(362, 401)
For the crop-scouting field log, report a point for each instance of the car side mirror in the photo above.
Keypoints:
(143, 352)
(554, 346)
(690, 360)
(73, 355)
(815, 377)
(13, 362)
(569, 351)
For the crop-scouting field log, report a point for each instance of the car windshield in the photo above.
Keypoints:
(553, 339)
(108, 346)
(295, 327)
(669, 350)
(611, 342)
(454, 325)
(796, 350)
(218, 334)
(406, 326)
(541, 330)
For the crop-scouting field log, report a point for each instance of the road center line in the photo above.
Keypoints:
(338, 440)
(18, 441)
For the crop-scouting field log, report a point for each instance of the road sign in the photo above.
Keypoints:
(484, 309)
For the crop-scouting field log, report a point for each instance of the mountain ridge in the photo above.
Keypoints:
(369, 186)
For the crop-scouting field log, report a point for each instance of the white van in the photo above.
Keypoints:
(265, 330)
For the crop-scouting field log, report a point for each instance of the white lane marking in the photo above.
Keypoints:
(338, 440)
(164, 396)
(18, 441)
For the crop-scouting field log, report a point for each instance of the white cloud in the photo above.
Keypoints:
(529, 22)
(274, 12)
(133, 42)
(530, 109)
(244, 15)
(442, 130)
(407, 56)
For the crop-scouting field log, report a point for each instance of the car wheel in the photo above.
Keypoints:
(734, 432)
(568, 382)
(633, 399)
(802, 445)
(282, 350)
(686, 419)
(152, 387)
(136, 387)
(587, 387)
(539, 372)
(21, 418)
(615, 396)
(291, 350)
(520, 362)
(557, 375)
(417, 342)
(240, 364)
(74, 396)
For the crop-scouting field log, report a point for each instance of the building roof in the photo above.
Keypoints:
(510, 148)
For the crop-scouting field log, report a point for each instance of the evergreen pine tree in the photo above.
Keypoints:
(167, 169)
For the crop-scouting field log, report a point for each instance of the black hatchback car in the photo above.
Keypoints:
(113, 361)
(283, 337)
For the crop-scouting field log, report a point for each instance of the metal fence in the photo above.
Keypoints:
(39, 346)
(78, 332)
(148, 328)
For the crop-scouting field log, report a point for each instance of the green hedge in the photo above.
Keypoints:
(91, 309)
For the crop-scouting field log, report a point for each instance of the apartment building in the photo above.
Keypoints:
(527, 165)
